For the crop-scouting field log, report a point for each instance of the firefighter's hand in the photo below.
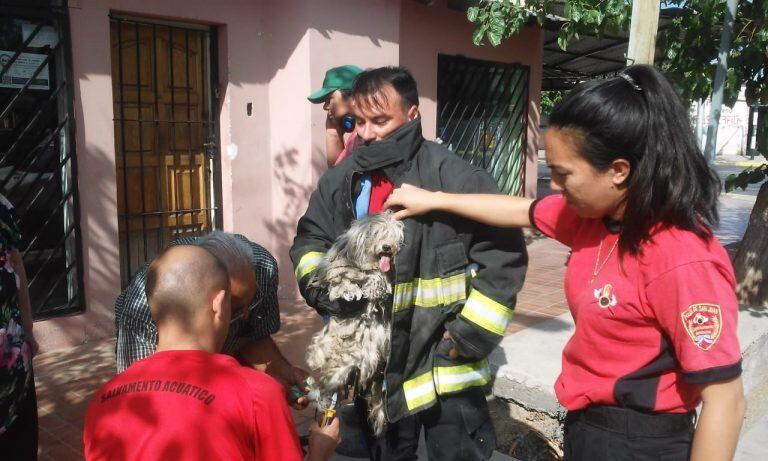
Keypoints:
(339, 307)
(469, 341)
(453, 354)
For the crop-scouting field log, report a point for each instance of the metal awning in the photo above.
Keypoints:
(588, 56)
(585, 58)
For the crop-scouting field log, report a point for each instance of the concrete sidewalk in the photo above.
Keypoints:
(752, 445)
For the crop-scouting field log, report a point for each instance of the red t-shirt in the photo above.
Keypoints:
(190, 405)
(648, 335)
(381, 187)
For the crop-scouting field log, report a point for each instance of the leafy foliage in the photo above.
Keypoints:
(549, 99)
(751, 175)
(690, 45)
(692, 40)
(496, 20)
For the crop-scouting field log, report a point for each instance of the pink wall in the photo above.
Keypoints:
(426, 31)
(272, 54)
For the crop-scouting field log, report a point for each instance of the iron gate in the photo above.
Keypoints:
(483, 116)
(37, 156)
(166, 135)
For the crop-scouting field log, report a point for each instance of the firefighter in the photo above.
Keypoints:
(446, 317)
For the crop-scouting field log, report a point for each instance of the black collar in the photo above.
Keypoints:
(400, 146)
(613, 226)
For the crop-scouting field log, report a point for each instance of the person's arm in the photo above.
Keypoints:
(722, 413)
(24, 305)
(274, 433)
(264, 355)
(334, 140)
(696, 307)
(492, 209)
(323, 440)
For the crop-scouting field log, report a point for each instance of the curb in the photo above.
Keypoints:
(738, 196)
(749, 163)
(746, 162)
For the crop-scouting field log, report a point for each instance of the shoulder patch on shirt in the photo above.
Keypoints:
(703, 322)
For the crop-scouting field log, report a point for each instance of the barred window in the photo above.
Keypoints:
(37, 156)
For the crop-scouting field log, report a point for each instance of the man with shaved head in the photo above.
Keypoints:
(187, 401)
(253, 283)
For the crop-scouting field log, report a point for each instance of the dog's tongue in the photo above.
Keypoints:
(384, 262)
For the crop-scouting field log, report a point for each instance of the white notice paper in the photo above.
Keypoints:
(22, 69)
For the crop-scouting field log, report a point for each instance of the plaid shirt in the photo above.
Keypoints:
(137, 332)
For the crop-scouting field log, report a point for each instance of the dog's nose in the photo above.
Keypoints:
(387, 249)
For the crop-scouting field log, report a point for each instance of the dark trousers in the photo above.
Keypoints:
(457, 427)
(19, 442)
(620, 434)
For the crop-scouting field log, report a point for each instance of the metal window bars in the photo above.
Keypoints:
(483, 116)
(38, 171)
(166, 135)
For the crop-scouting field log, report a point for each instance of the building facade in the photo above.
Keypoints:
(185, 115)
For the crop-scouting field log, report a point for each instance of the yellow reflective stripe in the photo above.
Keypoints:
(460, 377)
(308, 263)
(429, 292)
(486, 313)
(419, 391)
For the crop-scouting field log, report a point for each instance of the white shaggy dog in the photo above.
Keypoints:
(352, 351)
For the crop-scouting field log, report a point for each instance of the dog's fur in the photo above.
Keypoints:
(357, 347)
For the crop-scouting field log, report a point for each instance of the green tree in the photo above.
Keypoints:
(690, 46)
(496, 20)
(549, 98)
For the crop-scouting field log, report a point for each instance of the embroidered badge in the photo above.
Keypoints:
(605, 296)
(703, 322)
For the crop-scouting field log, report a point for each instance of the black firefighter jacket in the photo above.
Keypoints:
(451, 273)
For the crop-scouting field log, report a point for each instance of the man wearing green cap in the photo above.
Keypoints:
(334, 95)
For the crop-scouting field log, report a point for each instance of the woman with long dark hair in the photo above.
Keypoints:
(650, 289)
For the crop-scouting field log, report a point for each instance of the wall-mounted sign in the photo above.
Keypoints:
(22, 70)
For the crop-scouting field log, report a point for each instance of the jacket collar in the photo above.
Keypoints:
(400, 146)
(613, 226)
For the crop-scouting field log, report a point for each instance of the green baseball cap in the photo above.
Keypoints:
(338, 78)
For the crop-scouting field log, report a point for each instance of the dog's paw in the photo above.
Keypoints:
(350, 292)
(349, 296)
(376, 287)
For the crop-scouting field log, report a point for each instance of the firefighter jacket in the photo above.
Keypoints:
(451, 273)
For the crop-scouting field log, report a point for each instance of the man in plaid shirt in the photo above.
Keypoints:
(255, 310)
